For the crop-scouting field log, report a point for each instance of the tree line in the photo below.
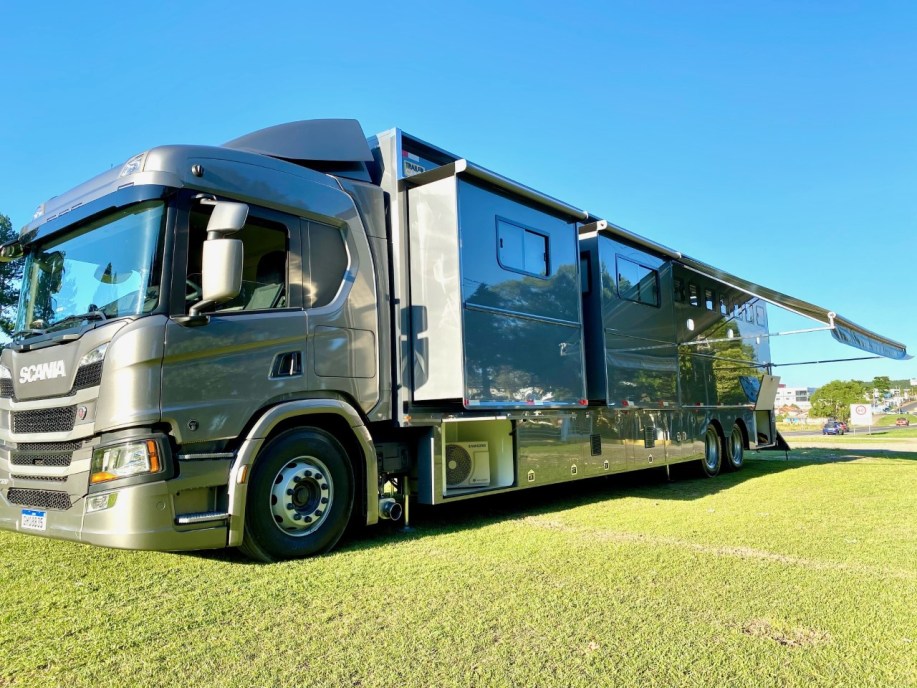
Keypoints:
(833, 400)
(10, 277)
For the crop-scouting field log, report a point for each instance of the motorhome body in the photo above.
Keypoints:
(250, 345)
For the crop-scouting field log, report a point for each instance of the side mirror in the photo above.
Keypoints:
(221, 262)
(227, 218)
(221, 271)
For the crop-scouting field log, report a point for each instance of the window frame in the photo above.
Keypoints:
(546, 236)
(655, 272)
(291, 223)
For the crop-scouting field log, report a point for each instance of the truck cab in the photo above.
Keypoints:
(128, 390)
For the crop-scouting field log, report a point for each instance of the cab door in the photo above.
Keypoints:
(251, 351)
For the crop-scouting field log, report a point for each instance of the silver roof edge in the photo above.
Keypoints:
(462, 166)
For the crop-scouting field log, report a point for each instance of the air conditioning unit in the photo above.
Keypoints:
(467, 464)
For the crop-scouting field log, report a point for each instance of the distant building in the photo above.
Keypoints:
(794, 396)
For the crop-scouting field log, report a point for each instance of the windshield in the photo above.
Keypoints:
(105, 269)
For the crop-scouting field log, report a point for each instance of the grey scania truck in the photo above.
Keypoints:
(254, 345)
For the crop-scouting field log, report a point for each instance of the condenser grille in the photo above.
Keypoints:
(47, 499)
(595, 444)
(458, 464)
(45, 420)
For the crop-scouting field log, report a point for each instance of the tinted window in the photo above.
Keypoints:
(522, 250)
(679, 290)
(264, 266)
(637, 282)
(325, 263)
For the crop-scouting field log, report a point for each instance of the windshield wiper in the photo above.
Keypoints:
(88, 315)
(28, 331)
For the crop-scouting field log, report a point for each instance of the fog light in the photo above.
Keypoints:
(101, 502)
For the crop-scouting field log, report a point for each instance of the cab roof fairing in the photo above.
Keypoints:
(843, 330)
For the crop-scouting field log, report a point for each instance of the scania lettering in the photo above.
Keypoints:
(253, 345)
(45, 371)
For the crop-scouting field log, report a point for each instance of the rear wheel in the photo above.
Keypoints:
(735, 449)
(713, 456)
(300, 497)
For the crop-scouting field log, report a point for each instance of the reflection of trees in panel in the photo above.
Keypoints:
(711, 373)
(510, 358)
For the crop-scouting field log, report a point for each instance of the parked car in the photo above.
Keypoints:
(833, 427)
(903, 422)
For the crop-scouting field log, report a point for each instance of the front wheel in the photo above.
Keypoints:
(713, 457)
(300, 497)
(735, 449)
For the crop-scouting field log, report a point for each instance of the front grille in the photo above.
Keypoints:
(88, 376)
(6, 388)
(46, 478)
(45, 420)
(24, 459)
(47, 499)
(49, 446)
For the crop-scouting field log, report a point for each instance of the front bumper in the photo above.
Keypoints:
(143, 517)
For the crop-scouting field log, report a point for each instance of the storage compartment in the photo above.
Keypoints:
(476, 455)
(495, 306)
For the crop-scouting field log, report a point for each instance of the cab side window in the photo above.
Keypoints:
(265, 274)
(325, 263)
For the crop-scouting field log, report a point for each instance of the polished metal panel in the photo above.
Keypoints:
(554, 448)
(436, 317)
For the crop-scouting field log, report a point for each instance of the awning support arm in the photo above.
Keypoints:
(832, 360)
(701, 342)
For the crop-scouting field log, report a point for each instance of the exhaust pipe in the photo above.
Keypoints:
(390, 509)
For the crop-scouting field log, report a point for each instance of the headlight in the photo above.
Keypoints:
(97, 355)
(125, 460)
(5, 373)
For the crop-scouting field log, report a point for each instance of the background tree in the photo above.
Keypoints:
(10, 278)
(833, 400)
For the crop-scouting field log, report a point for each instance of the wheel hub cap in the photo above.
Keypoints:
(301, 496)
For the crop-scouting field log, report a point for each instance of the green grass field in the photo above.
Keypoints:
(790, 573)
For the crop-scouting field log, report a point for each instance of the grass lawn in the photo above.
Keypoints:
(789, 573)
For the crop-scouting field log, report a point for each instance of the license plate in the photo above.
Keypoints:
(34, 520)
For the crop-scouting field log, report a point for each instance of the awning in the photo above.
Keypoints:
(843, 330)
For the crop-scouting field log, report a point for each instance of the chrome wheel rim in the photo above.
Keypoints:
(301, 496)
(736, 448)
(711, 450)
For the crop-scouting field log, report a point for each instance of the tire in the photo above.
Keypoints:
(300, 497)
(713, 454)
(735, 449)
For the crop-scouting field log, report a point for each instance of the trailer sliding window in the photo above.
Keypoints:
(679, 290)
(521, 249)
(637, 282)
(709, 299)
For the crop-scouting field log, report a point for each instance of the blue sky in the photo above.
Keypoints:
(776, 140)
